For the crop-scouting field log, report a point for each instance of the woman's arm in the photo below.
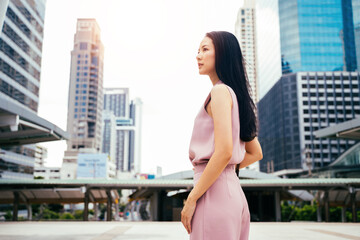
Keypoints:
(253, 153)
(221, 104)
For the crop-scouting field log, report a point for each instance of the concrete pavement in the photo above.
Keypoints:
(169, 230)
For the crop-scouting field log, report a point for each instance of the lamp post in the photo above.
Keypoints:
(308, 160)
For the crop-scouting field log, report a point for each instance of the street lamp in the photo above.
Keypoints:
(307, 160)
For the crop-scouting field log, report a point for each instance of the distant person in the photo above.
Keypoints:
(224, 139)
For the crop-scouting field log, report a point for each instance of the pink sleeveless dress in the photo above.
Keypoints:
(222, 212)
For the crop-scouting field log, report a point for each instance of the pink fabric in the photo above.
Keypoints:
(202, 140)
(222, 212)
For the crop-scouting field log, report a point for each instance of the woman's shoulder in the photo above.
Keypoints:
(221, 91)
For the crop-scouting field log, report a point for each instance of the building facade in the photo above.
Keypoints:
(267, 45)
(116, 101)
(21, 43)
(47, 172)
(127, 117)
(85, 102)
(245, 31)
(317, 35)
(356, 18)
(296, 106)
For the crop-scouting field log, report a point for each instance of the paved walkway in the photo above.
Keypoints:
(170, 231)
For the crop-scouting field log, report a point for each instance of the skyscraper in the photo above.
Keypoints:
(245, 31)
(267, 45)
(296, 106)
(116, 101)
(85, 102)
(317, 35)
(128, 129)
(135, 136)
(21, 128)
(356, 17)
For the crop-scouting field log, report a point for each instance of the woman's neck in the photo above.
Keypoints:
(214, 78)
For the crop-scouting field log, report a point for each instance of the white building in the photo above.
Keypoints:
(245, 31)
(21, 41)
(70, 170)
(47, 172)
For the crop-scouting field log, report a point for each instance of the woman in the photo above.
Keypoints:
(217, 208)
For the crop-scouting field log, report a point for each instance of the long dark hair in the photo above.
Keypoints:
(230, 68)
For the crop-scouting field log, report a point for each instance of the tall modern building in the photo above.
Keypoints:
(296, 106)
(116, 101)
(127, 118)
(356, 18)
(21, 128)
(135, 136)
(317, 35)
(245, 31)
(267, 45)
(85, 102)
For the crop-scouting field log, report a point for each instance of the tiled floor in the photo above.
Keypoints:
(170, 230)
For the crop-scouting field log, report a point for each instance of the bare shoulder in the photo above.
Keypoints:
(221, 92)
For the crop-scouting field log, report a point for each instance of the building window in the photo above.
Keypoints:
(243, 20)
(94, 60)
(79, 56)
(242, 12)
(83, 46)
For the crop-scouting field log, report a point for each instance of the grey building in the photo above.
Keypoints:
(296, 106)
(128, 129)
(116, 101)
(21, 128)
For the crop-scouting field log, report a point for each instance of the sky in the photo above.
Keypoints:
(151, 48)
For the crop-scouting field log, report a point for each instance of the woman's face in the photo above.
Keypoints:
(206, 57)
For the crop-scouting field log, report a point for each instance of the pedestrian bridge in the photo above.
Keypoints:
(330, 191)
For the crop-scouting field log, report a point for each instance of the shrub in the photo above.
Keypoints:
(66, 216)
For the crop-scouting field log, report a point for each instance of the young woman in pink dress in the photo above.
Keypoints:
(224, 139)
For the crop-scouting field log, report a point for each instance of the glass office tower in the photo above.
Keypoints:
(317, 35)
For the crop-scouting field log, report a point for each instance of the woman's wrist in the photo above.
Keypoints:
(191, 197)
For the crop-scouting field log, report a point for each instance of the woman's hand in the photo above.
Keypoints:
(187, 214)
